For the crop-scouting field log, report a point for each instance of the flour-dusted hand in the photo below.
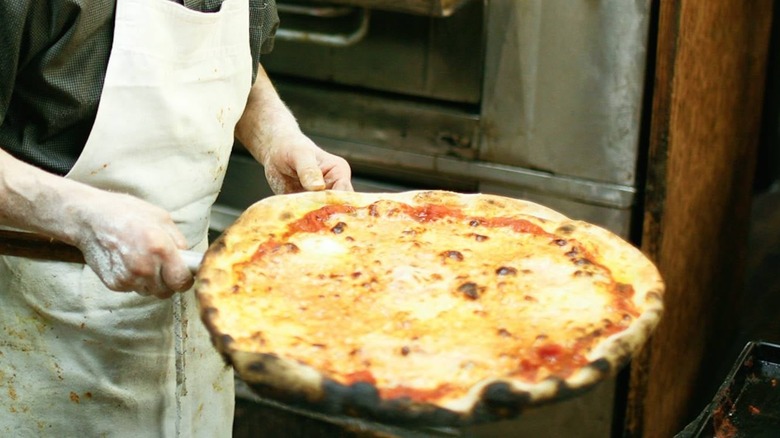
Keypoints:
(292, 162)
(131, 244)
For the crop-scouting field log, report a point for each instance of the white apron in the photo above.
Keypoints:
(77, 359)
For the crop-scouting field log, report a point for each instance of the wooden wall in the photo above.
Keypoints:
(706, 110)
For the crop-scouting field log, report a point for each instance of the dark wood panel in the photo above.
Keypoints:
(707, 100)
(36, 246)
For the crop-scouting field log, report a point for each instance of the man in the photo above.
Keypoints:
(116, 123)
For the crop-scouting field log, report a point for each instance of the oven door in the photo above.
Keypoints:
(381, 51)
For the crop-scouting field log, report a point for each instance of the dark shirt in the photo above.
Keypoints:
(53, 58)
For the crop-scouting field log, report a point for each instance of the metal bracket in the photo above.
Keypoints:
(325, 12)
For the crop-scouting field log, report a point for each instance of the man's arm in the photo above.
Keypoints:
(129, 243)
(292, 162)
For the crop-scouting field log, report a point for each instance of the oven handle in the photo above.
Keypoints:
(325, 39)
(315, 11)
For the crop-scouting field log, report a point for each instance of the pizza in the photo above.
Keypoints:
(423, 307)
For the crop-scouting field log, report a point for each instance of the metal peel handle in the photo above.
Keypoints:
(192, 259)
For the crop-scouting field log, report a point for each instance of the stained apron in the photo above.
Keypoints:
(77, 359)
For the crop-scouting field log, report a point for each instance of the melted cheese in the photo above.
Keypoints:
(428, 309)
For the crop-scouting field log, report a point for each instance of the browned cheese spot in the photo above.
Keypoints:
(565, 229)
(479, 237)
(452, 255)
(338, 228)
(470, 290)
(506, 270)
(290, 248)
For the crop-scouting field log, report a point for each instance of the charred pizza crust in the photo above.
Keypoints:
(294, 381)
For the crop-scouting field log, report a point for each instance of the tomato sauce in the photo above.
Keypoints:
(360, 376)
(515, 224)
(556, 359)
(430, 213)
(267, 247)
(315, 220)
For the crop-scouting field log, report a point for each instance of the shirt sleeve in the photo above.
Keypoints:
(13, 15)
(264, 21)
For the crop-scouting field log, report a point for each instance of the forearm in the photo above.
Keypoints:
(35, 200)
(130, 243)
(266, 119)
(292, 161)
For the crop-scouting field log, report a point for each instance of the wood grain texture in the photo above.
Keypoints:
(707, 100)
(36, 246)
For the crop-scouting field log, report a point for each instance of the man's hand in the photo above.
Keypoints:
(292, 162)
(133, 246)
(295, 164)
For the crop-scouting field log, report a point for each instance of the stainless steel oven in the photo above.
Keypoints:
(535, 99)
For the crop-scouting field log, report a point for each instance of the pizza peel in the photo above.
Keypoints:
(40, 247)
(273, 378)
